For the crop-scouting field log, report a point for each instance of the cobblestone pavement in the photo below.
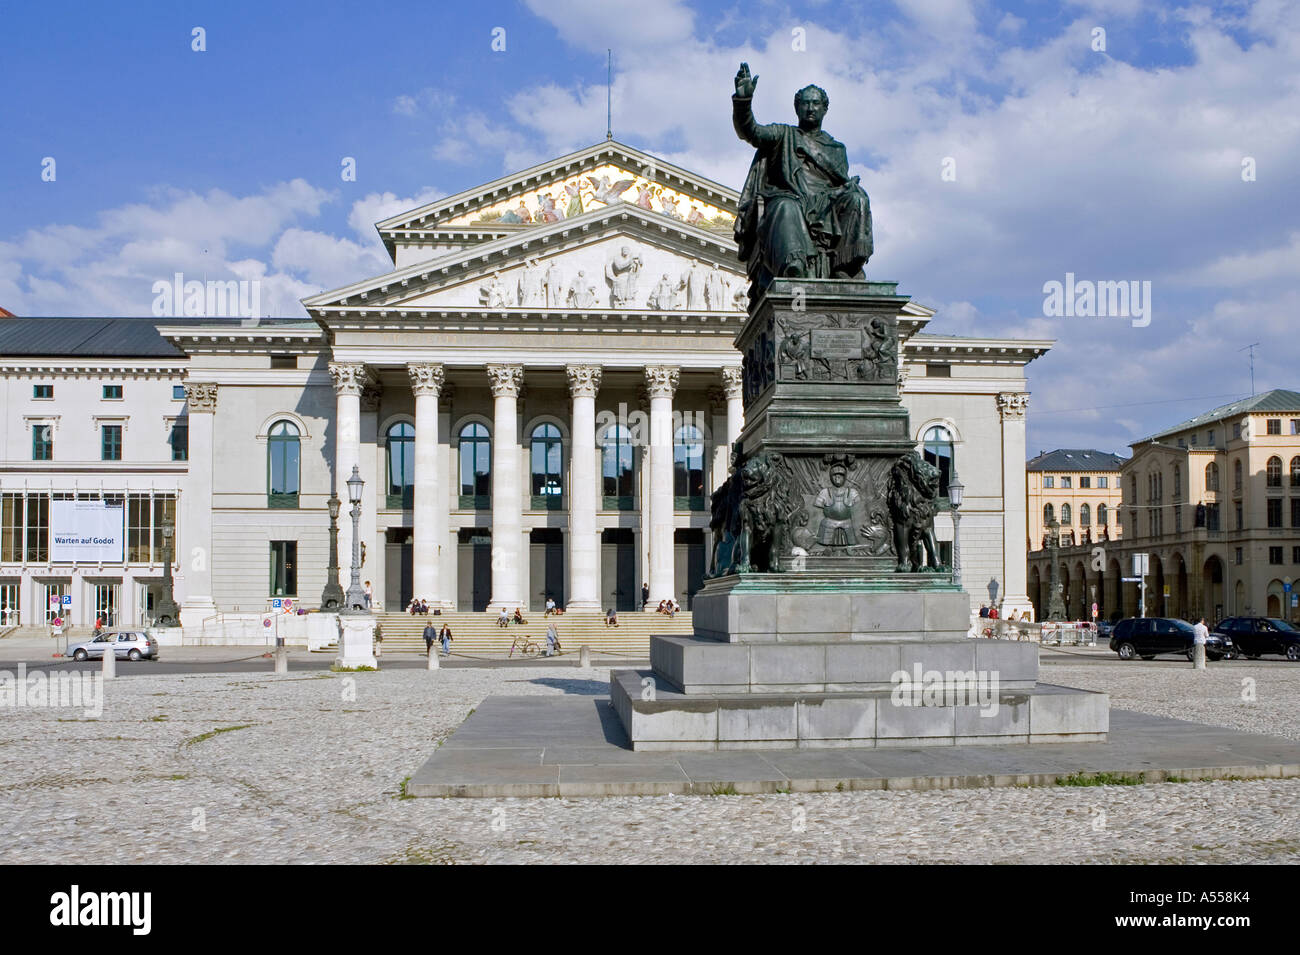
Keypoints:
(308, 768)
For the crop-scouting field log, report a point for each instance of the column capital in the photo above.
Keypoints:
(349, 377)
(371, 393)
(717, 399)
(201, 396)
(733, 381)
(661, 380)
(584, 380)
(506, 380)
(427, 380)
(1012, 404)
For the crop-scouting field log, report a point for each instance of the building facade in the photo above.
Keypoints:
(1077, 488)
(540, 399)
(1215, 504)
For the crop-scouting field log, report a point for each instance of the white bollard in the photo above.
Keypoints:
(431, 657)
(281, 659)
(110, 663)
(584, 657)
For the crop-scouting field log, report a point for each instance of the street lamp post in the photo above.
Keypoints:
(331, 597)
(166, 613)
(355, 601)
(955, 491)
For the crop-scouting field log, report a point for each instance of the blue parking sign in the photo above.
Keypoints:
(67, 600)
(276, 603)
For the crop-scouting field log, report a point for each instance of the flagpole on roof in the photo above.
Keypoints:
(609, 93)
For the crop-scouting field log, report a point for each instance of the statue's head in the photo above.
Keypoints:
(839, 474)
(810, 105)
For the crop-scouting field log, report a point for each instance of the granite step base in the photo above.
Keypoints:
(657, 716)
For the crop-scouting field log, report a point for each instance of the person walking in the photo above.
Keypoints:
(645, 595)
(1200, 633)
(429, 636)
(552, 639)
(445, 636)
(370, 594)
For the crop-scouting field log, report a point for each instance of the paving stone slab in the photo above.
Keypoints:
(567, 746)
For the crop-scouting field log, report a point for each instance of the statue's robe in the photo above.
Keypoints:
(814, 220)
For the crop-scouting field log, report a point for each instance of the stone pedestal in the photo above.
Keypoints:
(827, 619)
(357, 642)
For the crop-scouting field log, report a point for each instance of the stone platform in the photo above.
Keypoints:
(670, 720)
(575, 746)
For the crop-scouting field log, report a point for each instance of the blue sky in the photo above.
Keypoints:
(1115, 164)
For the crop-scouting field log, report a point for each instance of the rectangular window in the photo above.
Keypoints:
(1295, 555)
(1067, 482)
(38, 528)
(1103, 482)
(938, 371)
(1085, 482)
(1236, 431)
(1178, 520)
(180, 441)
(1212, 517)
(1274, 426)
(178, 392)
(1240, 522)
(1275, 512)
(284, 361)
(1295, 512)
(1049, 481)
(42, 442)
(284, 568)
(1295, 425)
(111, 442)
(42, 391)
(1238, 556)
(1275, 555)
(138, 535)
(11, 528)
(1209, 439)
(112, 392)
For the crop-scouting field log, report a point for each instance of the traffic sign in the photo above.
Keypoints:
(1131, 580)
(67, 600)
(276, 603)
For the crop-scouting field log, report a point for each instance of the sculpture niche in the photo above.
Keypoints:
(800, 215)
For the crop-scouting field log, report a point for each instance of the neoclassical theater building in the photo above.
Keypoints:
(540, 397)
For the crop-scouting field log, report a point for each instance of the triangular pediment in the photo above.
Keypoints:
(606, 175)
(616, 257)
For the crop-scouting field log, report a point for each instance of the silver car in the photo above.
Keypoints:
(126, 644)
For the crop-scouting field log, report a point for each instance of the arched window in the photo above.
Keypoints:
(1295, 471)
(937, 450)
(618, 468)
(1178, 481)
(401, 465)
(1049, 514)
(1085, 515)
(1211, 477)
(547, 467)
(475, 466)
(1273, 471)
(1102, 514)
(1236, 475)
(282, 465)
(688, 468)
(1065, 513)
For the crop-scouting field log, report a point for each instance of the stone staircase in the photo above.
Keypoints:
(478, 633)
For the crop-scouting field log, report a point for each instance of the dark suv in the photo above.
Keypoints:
(1254, 636)
(1146, 636)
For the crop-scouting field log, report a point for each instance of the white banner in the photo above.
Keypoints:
(85, 532)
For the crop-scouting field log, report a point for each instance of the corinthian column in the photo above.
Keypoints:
(1015, 589)
(507, 503)
(349, 380)
(426, 383)
(584, 544)
(194, 531)
(661, 383)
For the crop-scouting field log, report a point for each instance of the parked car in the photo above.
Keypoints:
(1104, 629)
(1255, 636)
(1146, 637)
(126, 644)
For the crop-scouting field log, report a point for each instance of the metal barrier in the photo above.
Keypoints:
(1048, 633)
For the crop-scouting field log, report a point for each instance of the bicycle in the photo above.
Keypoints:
(526, 647)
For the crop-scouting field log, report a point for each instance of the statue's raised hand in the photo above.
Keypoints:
(744, 82)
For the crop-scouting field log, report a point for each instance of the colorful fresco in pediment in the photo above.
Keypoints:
(603, 186)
